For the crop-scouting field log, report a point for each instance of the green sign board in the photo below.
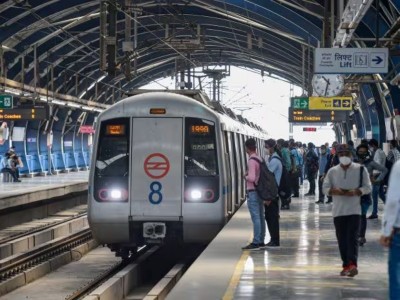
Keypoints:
(299, 102)
(6, 101)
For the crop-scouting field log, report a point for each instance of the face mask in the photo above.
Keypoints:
(345, 160)
(267, 152)
(363, 155)
(323, 151)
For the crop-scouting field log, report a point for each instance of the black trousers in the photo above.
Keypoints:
(311, 178)
(347, 230)
(272, 219)
(363, 226)
(294, 182)
(321, 196)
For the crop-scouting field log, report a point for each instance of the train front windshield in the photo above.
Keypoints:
(200, 152)
(112, 161)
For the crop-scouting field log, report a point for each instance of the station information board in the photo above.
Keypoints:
(316, 116)
(322, 103)
(15, 114)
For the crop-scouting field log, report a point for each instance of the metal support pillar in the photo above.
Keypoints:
(76, 84)
(332, 23)
(135, 41)
(23, 70)
(2, 67)
(303, 69)
(181, 83)
(35, 71)
(214, 88)
(377, 4)
(325, 31)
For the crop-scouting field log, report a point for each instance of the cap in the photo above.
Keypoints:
(340, 148)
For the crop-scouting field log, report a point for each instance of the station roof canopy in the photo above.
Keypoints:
(274, 36)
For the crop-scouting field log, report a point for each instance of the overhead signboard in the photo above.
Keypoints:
(6, 101)
(299, 102)
(316, 116)
(322, 103)
(351, 60)
(86, 129)
(16, 114)
(330, 103)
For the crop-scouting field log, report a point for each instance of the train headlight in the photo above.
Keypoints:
(195, 194)
(116, 194)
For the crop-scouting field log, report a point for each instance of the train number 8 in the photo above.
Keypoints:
(155, 188)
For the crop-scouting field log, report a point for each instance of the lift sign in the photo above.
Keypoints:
(156, 166)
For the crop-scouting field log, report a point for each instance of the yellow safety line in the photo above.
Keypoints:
(234, 282)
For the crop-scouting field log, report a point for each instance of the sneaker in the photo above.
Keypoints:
(373, 217)
(251, 247)
(262, 245)
(345, 271)
(362, 241)
(296, 196)
(272, 244)
(352, 271)
(319, 202)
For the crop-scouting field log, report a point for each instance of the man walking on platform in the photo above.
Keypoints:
(342, 182)
(391, 231)
(254, 204)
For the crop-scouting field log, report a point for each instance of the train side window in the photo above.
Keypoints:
(200, 148)
(112, 159)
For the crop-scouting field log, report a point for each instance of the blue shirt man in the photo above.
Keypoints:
(323, 161)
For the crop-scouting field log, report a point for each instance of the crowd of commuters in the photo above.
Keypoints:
(352, 178)
(10, 164)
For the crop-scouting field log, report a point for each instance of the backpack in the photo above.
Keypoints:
(266, 187)
(284, 188)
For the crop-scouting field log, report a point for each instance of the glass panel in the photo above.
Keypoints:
(200, 148)
(113, 149)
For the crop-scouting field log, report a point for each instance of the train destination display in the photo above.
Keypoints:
(15, 114)
(317, 116)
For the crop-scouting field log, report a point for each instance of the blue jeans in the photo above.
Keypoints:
(394, 268)
(256, 209)
(377, 189)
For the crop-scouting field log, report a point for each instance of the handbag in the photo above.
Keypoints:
(364, 199)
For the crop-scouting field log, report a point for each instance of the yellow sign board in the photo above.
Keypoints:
(330, 103)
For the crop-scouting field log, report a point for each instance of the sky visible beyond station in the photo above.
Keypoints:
(262, 100)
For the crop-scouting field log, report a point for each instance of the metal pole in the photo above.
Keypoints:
(377, 3)
(35, 73)
(2, 66)
(303, 69)
(135, 40)
(332, 22)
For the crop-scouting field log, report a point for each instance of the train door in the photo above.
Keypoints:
(156, 179)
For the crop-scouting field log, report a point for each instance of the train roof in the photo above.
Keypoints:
(202, 97)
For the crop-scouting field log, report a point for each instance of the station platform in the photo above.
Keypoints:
(305, 266)
(34, 189)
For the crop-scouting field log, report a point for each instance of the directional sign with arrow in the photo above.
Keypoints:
(299, 102)
(351, 60)
(377, 60)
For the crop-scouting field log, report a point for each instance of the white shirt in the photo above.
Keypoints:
(391, 217)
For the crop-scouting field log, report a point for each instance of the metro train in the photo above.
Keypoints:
(166, 166)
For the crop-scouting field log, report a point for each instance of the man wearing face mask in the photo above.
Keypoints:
(342, 182)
